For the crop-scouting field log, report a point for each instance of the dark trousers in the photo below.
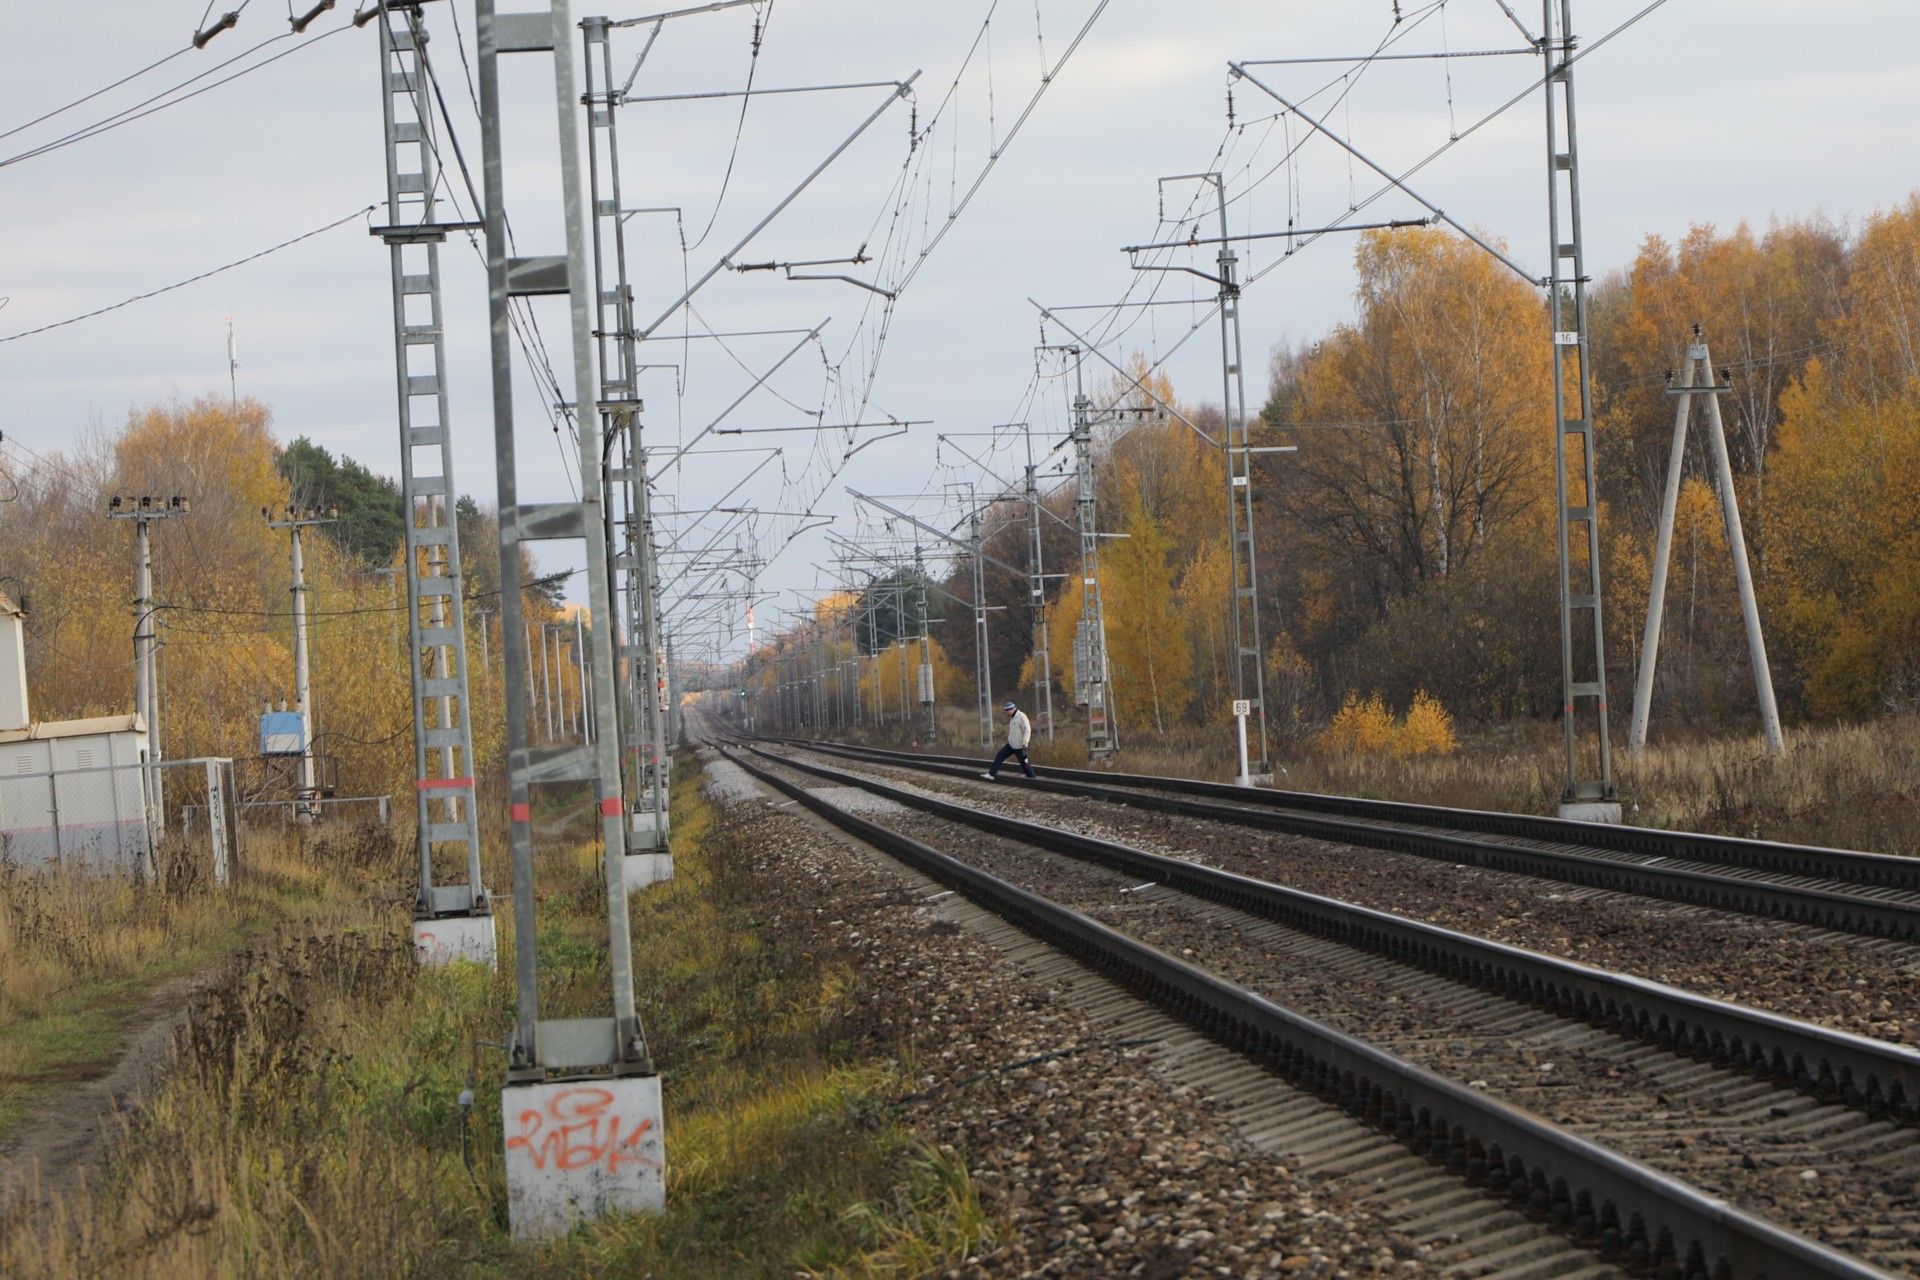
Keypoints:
(1012, 751)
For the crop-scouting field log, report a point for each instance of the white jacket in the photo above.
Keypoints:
(1019, 730)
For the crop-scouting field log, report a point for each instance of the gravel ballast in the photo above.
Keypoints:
(1091, 1160)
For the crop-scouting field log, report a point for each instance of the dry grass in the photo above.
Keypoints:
(1844, 786)
(80, 953)
(313, 1128)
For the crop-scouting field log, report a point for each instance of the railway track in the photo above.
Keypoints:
(1781, 1085)
(1873, 895)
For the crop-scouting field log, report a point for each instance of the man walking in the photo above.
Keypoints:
(1019, 733)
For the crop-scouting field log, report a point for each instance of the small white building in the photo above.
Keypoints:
(70, 790)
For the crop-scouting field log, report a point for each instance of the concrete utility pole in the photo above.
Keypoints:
(143, 510)
(453, 920)
(1700, 363)
(307, 808)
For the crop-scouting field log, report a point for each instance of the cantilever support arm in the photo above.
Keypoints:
(1239, 69)
(941, 534)
(758, 382)
(726, 259)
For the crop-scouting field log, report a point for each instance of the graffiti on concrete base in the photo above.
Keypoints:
(578, 1129)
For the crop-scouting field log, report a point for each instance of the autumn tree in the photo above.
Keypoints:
(1424, 427)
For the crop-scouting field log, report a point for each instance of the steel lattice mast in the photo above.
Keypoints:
(1583, 655)
(436, 619)
(546, 1046)
(1090, 645)
(643, 729)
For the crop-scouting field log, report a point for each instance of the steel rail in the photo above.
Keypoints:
(1878, 870)
(1820, 908)
(1630, 1213)
(1875, 1076)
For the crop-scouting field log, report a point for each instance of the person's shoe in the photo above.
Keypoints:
(989, 777)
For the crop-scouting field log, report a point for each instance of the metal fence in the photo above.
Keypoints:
(286, 812)
(106, 818)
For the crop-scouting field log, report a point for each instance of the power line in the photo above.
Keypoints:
(154, 293)
(43, 118)
(133, 113)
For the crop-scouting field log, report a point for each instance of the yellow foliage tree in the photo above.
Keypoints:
(885, 674)
(1146, 640)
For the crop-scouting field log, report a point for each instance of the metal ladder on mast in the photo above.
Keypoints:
(436, 618)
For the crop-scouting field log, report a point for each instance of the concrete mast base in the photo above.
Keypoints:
(450, 938)
(581, 1149)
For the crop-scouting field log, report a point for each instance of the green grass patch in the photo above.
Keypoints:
(82, 955)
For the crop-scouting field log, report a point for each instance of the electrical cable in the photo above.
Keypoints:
(154, 293)
(760, 24)
(46, 116)
(133, 113)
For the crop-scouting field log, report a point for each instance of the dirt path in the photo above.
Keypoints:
(69, 1130)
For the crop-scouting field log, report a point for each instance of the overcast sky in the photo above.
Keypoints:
(1705, 111)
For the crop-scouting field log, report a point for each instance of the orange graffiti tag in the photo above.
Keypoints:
(578, 1128)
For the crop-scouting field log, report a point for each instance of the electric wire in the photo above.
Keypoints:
(130, 114)
(180, 284)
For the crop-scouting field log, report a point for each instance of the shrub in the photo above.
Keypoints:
(1360, 726)
(1427, 730)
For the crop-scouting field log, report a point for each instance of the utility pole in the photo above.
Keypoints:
(983, 667)
(642, 733)
(1090, 644)
(486, 617)
(454, 920)
(1249, 656)
(926, 646)
(1700, 363)
(307, 808)
(1583, 654)
(143, 510)
(586, 678)
(1037, 600)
